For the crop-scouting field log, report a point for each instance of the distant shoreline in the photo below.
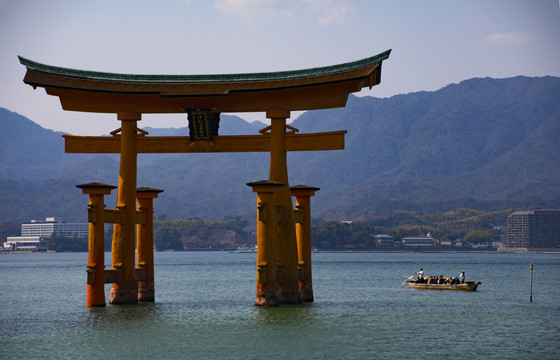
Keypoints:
(508, 251)
(443, 251)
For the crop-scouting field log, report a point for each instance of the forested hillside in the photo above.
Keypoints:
(487, 144)
(483, 139)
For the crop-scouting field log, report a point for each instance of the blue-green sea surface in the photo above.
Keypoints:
(204, 310)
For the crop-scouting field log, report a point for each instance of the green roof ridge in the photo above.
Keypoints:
(264, 76)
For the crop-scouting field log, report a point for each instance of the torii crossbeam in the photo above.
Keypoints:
(204, 97)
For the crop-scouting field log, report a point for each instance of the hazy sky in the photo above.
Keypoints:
(434, 43)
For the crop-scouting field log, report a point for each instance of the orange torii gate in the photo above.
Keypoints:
(282, 276)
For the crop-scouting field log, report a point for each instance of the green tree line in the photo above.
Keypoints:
(232, 231)
(64, 243)
(229, 232)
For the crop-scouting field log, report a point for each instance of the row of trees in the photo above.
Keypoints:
(336, 235)
(230, 232)
(467, 225)
(65, 243)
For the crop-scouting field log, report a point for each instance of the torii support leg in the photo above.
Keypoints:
(145, 243)
(126, 291)
(266, 243)
(96, 242)
(303, 232)
(286, 243)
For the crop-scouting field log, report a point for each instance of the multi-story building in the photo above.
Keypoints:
(25, 243)
(34, 234)
(418, 241)
(384, 240)
(54, 226)
(535, 228)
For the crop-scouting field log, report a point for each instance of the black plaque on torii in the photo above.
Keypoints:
(203, 124)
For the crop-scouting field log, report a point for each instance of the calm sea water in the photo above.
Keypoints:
(204, 310)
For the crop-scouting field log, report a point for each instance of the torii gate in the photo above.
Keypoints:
(280, 273)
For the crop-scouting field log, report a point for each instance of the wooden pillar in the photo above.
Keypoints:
(303, 194)
(126, 291)
(96, 242)
(145, 243)
(286, 243)
(266, 242)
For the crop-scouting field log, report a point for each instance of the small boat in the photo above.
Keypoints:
(246, 249)
(466, 286)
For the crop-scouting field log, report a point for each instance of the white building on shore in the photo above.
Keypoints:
(384, 240)
(25, 243)
(53, 225)
(35, 234)
(418, 241)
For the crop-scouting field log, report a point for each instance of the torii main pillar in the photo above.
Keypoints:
(286, 242)
(124, 240)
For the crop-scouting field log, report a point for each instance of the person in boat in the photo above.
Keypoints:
(462, 277)
(420, 275)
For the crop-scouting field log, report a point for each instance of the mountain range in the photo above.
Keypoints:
(482, 143)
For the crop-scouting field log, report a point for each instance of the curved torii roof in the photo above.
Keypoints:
(308, 89)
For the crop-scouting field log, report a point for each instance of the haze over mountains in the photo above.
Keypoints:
(483, 142)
